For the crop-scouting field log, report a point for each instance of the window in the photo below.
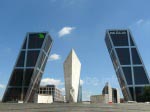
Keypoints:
(128, 75)
(36, 40)
(120, 39)
(135, 56)
(24, 92)
(24, 44)
(139, 91)
(28, 76)
(17, 77)
(20, 62)
(108, 43)
(131, 92)
(32, 57)
(123, 55)
(140, 76)
(13, 94)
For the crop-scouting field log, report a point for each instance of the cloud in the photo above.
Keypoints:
(63, 91)
(94, 81)
(65, 31)
(140, 21)
(141, 28)
(143, 22)
(51, 81)
(2, 86)
(54, 57)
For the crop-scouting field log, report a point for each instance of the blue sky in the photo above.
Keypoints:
(78, 24)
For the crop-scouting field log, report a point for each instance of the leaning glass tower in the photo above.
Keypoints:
(128, 64)
(28, 70)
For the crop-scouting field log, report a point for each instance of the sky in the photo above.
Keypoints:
(77, 24)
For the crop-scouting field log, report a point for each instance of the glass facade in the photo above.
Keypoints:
(80, 93)
(135, 57)
(123, 55)
(121, 39)
(128, 75)
(114, 95)
(140, 75)
(21, 59)
(35, 42)
(32, 57)
(28, 70)
(127, 62)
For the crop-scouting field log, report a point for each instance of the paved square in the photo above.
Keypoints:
(74, 107)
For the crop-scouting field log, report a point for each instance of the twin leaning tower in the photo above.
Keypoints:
(128, 64)
(29, 68)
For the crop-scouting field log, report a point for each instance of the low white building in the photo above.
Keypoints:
(99, 98)
(109, 95)
(52, 90)
(43, 98)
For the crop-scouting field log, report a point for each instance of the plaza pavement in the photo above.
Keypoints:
(58, 107)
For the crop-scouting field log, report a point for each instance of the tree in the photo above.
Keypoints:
(146, 94)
